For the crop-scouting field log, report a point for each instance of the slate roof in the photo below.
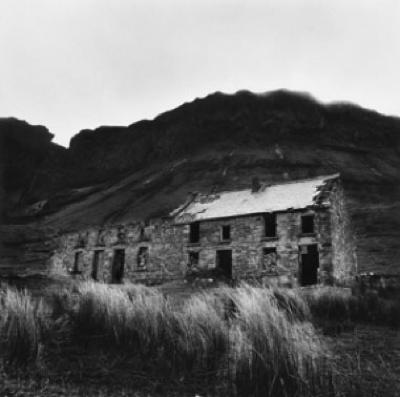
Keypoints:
(278, 197)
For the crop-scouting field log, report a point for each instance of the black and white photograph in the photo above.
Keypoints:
(200, 198)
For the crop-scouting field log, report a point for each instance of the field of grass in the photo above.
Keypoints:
(93, 339)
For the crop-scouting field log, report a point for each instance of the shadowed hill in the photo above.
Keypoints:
(119, 174)
(24, 149)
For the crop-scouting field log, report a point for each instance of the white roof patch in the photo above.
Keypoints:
(279, 197)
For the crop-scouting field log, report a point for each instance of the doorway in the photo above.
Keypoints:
(97, 264)
(78, 263)
(309, 263)
(224, 262)
(117, 271)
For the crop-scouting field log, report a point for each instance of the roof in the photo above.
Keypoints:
(294, 195)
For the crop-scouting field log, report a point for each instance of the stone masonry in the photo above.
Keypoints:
(241, 246)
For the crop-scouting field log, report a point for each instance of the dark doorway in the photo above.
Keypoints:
(224, 262)
(117, 271)
(78, 263)
(309, 263)
(97, 263)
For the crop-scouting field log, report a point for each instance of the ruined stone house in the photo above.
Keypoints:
(294, 233)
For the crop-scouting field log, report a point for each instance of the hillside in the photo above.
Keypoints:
(119, 174)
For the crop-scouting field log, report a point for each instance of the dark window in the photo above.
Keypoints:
(307, 224)
(270, 225)
(193, 259)
(81, 243)
(121, 235)
(269, 250)
(144, 234)
(226, 232)
(78, 263)
(194, 232)
(143, 258)
(269, 260)
(101, 238)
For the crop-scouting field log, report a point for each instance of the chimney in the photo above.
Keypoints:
(255, 185)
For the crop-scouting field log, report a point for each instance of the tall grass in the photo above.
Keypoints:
(20, 323)
(242, 341)
(140, 321)
(274, 353)
(254, 340)
(124, 318)
(199, 337)
(332, 304)
(294, 305)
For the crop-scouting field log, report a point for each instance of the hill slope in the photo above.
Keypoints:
(119, 174)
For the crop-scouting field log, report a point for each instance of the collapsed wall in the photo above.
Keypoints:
(136, 252)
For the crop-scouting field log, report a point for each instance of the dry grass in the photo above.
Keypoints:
(275, 353)
(20, 323)
(239, 341)
(256, 339)
(132, 317)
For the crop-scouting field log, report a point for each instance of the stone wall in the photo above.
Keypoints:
(166, 257)
(385, 285)
(160, 251)
(343, 244)
(248, 241)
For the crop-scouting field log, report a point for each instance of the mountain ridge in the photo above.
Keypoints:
(119, 174)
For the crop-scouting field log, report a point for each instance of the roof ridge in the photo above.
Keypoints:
(265, 186)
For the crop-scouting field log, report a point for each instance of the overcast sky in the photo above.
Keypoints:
(75, 64)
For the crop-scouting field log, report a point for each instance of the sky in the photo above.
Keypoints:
(76, 64)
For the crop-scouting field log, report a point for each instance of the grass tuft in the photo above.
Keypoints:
(131, 317)
(274, 352)
(20, 322)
